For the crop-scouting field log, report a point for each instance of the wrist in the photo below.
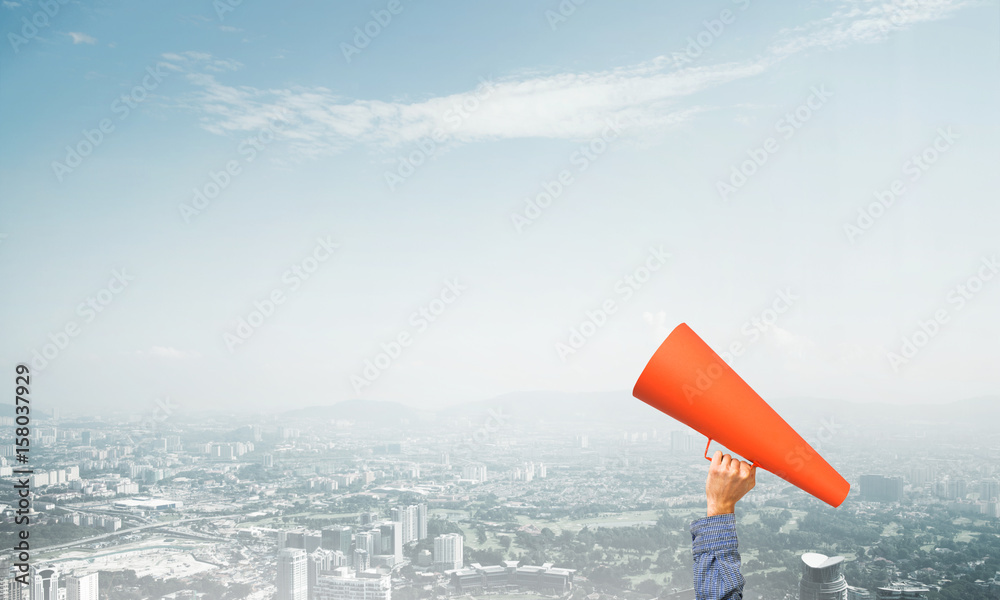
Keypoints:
(721, 508)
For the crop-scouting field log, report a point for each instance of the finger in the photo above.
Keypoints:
(717, 458)
(726, 461)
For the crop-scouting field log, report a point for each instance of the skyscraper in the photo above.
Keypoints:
(311, 541)
(82, 587)
(421, 521)
(320, 561)
(45, 584)
(407, 522)
(337, 537)
(365, 540)
(448, 551)
(362, 560)
(876, 488)
(292, 574)
(392, 539)
(822, 578)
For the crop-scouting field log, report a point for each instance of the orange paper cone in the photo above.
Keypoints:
(688, 381)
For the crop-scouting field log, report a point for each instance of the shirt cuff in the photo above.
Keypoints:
(714, 534)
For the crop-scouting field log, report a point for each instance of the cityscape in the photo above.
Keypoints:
(532, 496)
(347, 300)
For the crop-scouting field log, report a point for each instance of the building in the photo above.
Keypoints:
(421, 521)
(476, 473)
(682, 443)
(10, 588)
(337, 537)
(905, 590)
(392, 539)
(312, 541)
(320, 561)
(822, 578)
(81, 588)
(448, 551)
(362, 560)
(365, 540)
(292, 539)
(854, 593)
(44, 584)
(341, 584)
(293, 574)
(493, 579)
(412, 521)
(876, 488)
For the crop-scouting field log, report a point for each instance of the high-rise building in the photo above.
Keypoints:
(337, 537)
(905, 590)
(320, 561)
(312, 541)
(362, 560)
(421, 521)
(344, 585)
(292, 539)
(876, 488)
(822, 578)
(367, 518)
(409, 521)
(682, 442)
(45, 584)
(448, 551)
(957, 489)
(989, 489)
(81, 587)
(365, 540)
(474, 472)
(293, 574)
(392, 539)
(10, 588)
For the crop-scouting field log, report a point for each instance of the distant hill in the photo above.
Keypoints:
(621, 407)
(361, 411)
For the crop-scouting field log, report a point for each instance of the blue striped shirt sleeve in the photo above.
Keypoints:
(716, 559)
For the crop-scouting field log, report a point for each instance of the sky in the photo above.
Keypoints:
(253, 205)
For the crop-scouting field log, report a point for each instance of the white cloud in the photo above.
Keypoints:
(11, 5)
(316, 121)
(863, 22)
(82, 38)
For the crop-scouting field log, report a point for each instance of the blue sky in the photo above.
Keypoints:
(498, 103)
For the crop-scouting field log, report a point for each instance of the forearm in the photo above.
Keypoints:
(716, 559)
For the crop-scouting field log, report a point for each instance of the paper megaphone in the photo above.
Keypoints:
(688, 381)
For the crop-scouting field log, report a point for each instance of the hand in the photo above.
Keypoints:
(729, 479)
